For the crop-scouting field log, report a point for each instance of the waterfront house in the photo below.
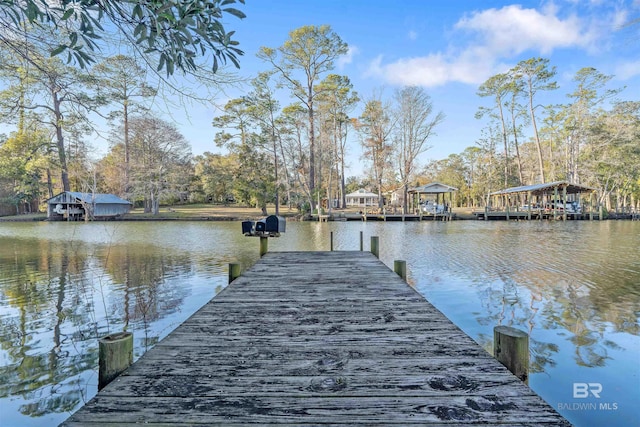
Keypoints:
(362, 199)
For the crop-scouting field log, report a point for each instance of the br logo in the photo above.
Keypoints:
(582, 390)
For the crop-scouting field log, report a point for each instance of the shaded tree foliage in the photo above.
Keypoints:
(175, 33)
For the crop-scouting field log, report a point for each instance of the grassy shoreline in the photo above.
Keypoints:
(200, 212)
(206, 212)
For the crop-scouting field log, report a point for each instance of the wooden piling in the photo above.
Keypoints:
(507, 203)
(375, 248)
(361, 242)
(115, 355)
(511, 348)
(564, 203)
(234, 271)
(332, 241)
(264, 245)
(400, 267)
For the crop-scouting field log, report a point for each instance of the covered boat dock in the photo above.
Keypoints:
(434, 205)
(76, 206)
(554, 200)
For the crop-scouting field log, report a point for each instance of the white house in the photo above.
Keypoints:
(362, 199)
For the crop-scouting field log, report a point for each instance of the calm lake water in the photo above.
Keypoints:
(575, 287)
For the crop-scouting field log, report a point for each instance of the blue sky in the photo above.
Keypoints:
(447, 47)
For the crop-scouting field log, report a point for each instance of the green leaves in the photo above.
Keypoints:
(58, 50)
(180, 32)
(67, 14)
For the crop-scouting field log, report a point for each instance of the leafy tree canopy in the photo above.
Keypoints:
(175, 32)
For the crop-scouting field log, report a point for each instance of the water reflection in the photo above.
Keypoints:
(60, 294)
(42, 355)
(574, 286)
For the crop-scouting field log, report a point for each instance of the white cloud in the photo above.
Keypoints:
(433, 70)
(512, 30)
(348, 57)
(412, 35)
(627, 70)
(620, 19)
(495, 36)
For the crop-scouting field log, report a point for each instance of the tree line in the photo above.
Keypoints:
(295, 154)
(592, 139)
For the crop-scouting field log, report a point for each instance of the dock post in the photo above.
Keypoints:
(332, 241)
(115, 355)
(511, 348)
(264, 245)
(234, 271)
(508, 200)
(564, 200)
(400, 268)
(375, 248)
(361, 241)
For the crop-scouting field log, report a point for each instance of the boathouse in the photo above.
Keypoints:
(434, 195)
(551, 200)
(76, 206)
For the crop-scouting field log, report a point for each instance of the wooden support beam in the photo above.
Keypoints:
(564, 203)
(375, 248)
(511, 348)
(115, 355)
(234, 271)
(264, 245)
(400, 268)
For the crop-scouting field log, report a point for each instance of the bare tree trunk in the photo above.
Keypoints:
(126, 148)
(312, 148)
(60, 141)
(506, 145)
(275, 162)
(49, 183)
(537, 137)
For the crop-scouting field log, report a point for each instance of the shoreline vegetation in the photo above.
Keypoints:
(207, 212)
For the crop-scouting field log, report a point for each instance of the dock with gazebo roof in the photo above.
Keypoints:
(435, 192)
(542, 201)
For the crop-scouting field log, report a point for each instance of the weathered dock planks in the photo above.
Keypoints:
(317, 338)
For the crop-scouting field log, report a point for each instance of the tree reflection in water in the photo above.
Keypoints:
(61, 299)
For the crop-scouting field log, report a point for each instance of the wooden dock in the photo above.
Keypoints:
(386, 217)
(317, 338)
(533, 215)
